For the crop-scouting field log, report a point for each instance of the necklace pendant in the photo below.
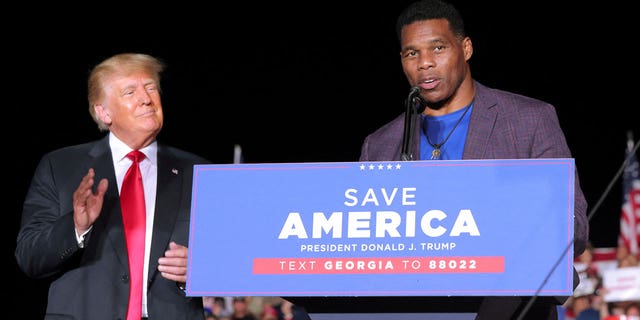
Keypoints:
(435, 154)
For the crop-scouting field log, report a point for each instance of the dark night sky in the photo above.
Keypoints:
(306, 82)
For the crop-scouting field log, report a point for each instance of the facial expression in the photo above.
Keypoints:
(132, 108)
(435, 59)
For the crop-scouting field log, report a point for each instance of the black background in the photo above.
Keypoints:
(306, 82)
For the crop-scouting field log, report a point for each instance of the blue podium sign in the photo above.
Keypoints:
(410, 228)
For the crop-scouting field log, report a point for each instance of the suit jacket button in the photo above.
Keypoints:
(125, 278)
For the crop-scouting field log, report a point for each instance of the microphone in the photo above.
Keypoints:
(418, 102)
(412, 104)
(414, 90)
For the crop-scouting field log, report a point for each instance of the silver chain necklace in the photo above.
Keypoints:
(435, 154)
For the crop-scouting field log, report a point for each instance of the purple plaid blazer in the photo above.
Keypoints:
(503, 125)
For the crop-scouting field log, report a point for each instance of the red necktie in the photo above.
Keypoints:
(133, 217)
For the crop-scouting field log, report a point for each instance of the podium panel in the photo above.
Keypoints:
(405, 237)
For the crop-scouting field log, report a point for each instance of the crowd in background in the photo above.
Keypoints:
(590, 300)
(252, 308)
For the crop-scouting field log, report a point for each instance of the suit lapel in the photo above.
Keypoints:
(481, 124)
(168, 199)
(110, 220)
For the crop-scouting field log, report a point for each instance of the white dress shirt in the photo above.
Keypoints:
(149, 171)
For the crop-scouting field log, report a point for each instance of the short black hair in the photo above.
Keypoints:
(428, 10)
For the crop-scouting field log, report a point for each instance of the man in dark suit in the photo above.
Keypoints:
(72, 223)
(463, 119)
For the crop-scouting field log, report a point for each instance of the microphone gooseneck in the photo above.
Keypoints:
(412, 104)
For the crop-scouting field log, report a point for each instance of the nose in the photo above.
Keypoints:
(144, 97)
(426, 60)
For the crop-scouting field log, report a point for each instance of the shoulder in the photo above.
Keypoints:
(509, 103)
(74, 151)
(390, 128)
(503, 97)
(181, 155)
(385, 142)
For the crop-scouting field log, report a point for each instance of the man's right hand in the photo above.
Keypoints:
(86, 204)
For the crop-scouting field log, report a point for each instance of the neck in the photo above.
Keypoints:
(136, 143)
(462, 97)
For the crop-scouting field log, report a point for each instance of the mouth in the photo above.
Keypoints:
(428, 84)
(147, 113)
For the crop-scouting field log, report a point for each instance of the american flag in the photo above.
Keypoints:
(630, 217)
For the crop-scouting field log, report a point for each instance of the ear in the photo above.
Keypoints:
(103, 114)
(467, 46)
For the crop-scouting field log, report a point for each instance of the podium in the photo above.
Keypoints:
(385, 239)
(401, 308)
(405, 308)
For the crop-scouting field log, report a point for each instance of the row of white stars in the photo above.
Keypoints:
(380, 166)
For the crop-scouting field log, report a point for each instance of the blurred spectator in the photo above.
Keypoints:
(584, 262)
(628, 261)
(269, 313)
(584, 309)
(621, 253)
(621, 310)
(215, 306)
(241, 309)
(633, 310)
(289, 311)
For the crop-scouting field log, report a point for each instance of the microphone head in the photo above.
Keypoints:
(418, 102)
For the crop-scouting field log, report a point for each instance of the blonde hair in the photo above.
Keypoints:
(119, 65)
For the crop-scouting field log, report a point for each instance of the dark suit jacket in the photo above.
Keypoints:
(503, 125)
(93, 282)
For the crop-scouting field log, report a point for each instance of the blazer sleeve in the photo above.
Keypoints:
(46, 240)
